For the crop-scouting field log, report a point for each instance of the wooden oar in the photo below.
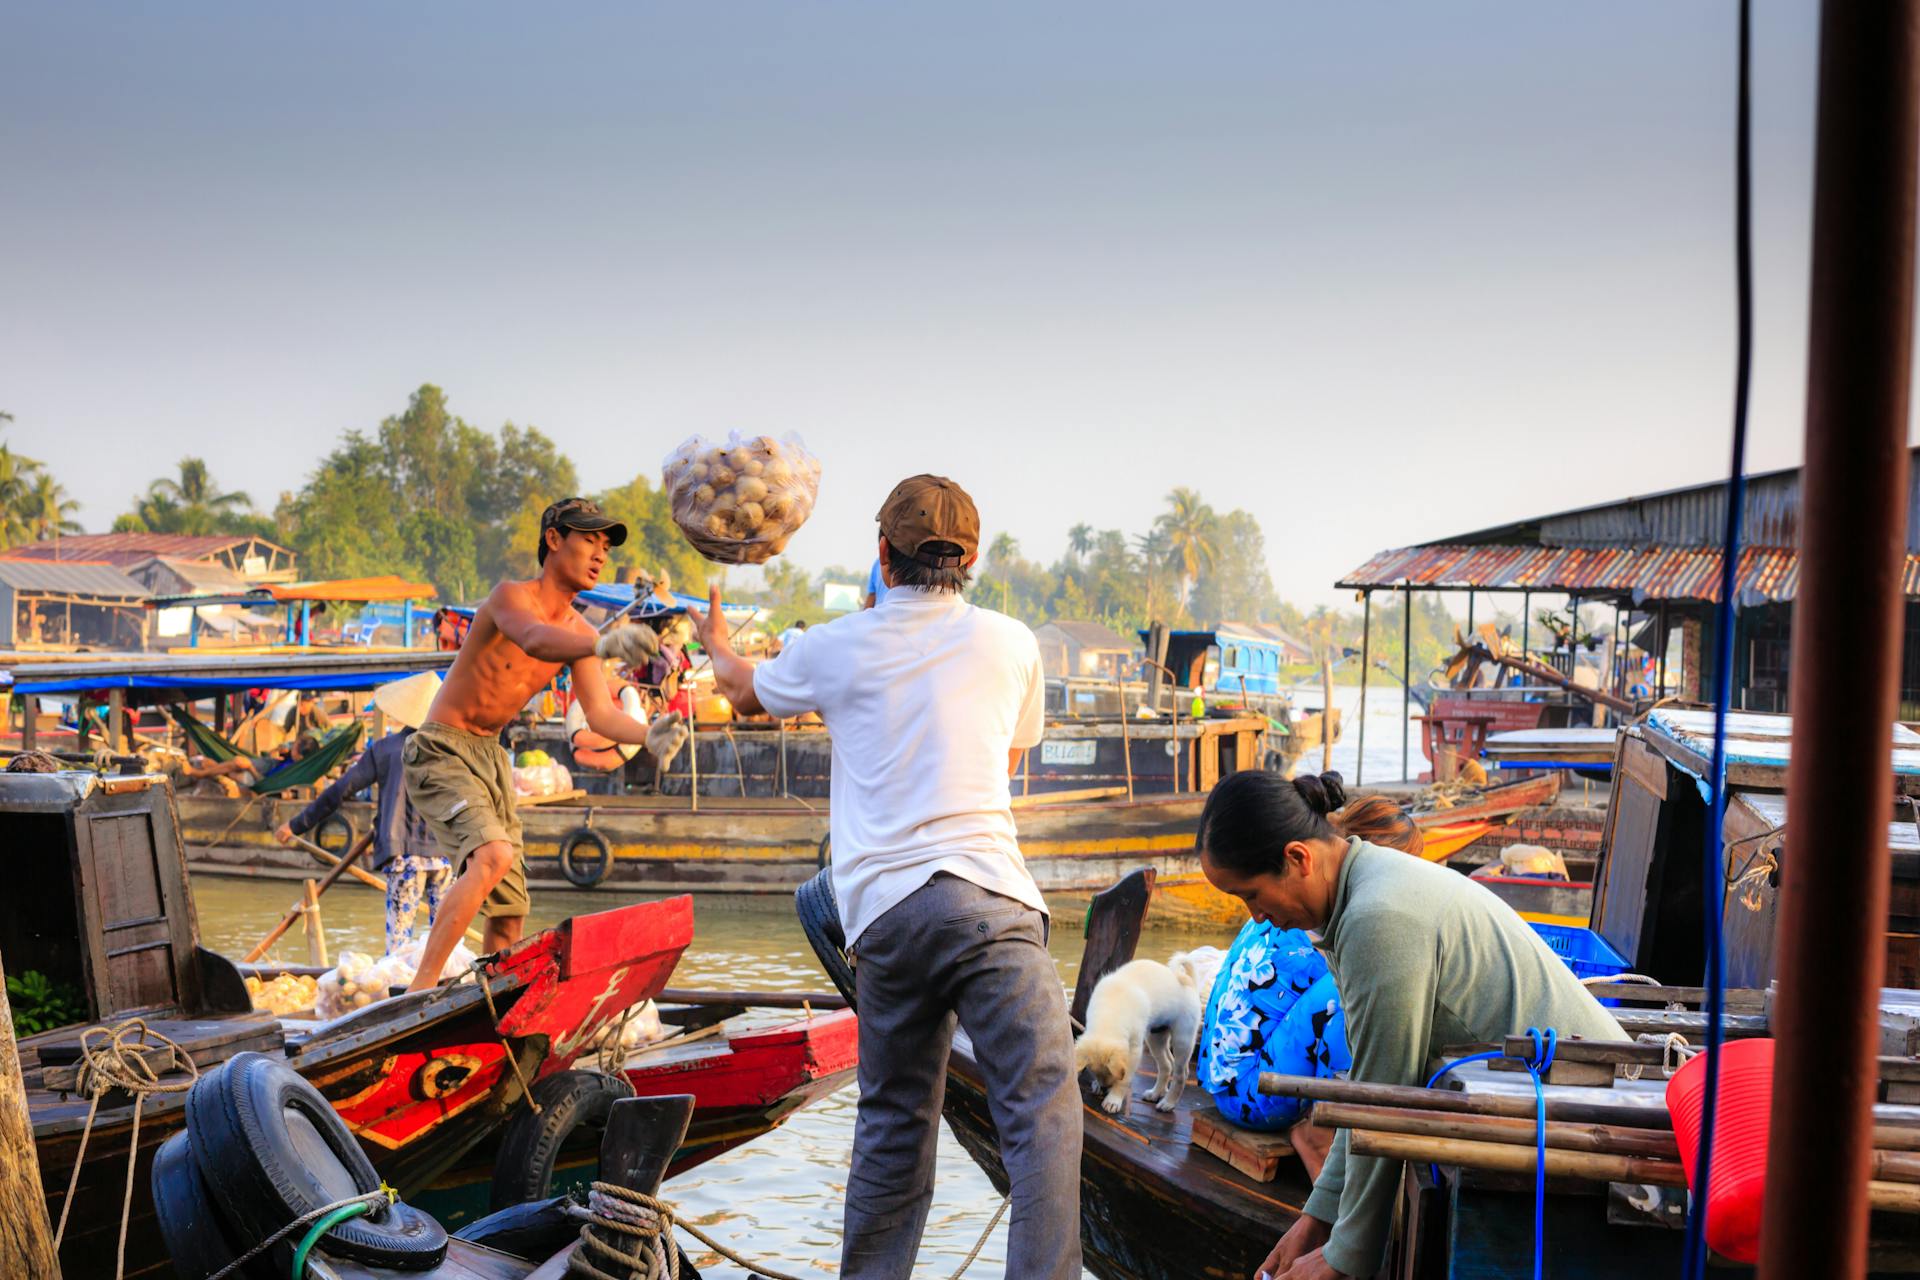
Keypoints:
(366, 878)
(339, 868)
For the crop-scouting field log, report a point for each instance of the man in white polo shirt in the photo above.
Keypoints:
(931, 701)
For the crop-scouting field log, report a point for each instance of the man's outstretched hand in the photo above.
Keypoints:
(632, 643)
(710, 627)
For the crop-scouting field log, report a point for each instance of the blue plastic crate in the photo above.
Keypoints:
(1587, 953)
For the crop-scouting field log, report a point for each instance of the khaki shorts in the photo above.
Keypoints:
(461, 784)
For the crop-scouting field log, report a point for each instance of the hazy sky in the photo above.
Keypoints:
(1375, 273)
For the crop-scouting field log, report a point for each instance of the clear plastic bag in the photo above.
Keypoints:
(542, 780)
(739, 502)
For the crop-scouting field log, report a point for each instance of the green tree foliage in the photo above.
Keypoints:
(33, 505)
(430, 496)
(191, 501)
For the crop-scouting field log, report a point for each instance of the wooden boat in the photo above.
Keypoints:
(421, 1079)
(1153, 1205)
(660, 845)
(744, 1083)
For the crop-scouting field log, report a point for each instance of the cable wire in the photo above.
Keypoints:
(1714, 886)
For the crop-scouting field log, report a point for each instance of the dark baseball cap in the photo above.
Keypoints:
(583, 515)
(926, 509)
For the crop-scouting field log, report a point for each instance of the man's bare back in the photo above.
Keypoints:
(493, 678)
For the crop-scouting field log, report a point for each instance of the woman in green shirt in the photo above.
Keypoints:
(1423, 956)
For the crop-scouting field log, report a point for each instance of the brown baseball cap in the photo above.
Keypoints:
(584, 515)
(926, 509)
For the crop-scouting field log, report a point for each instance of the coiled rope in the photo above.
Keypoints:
(617, 1211)
(109, 1060)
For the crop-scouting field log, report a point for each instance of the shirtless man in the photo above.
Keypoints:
(459, 778)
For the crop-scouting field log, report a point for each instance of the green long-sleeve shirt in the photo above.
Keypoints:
(1425, 959)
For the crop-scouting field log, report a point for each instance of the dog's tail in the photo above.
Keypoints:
(1185, 970)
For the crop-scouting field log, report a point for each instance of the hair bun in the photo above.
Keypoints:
(1323, 792)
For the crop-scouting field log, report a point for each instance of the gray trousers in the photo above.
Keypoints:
(952, 948)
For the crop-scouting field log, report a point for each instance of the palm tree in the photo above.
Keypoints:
(1156, 557)
(1080, 540)
(47, 509)
(16, 483)
(1004, 550)
(191, 504)
(1188, 524)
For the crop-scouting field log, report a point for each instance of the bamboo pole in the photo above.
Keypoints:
(339, 868)
(1894, 1197)
(1126, 736)
(1484, 1104)
(1326, 706)
(316, 939)
(26, 1238)
(1598, 1139)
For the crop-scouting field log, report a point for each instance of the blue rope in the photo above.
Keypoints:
(1714, 886)
(1541, 1058)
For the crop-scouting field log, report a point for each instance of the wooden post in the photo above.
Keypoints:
(1326, 708)
(1126, 736)
(1406, 690)
(316, 940)
(117, 721)
(693, 753)
(29, 721)
(1366, 660)
(26, 1238)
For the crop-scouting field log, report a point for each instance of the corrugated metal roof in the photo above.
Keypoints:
(129, 548)
(1657, 573)
(1693, 517)
(100, 580)
(1091, 635)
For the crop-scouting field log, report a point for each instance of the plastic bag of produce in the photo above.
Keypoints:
(351, 984)
(739, 502)
(542, 780)
(642, 1027)
(284, 995)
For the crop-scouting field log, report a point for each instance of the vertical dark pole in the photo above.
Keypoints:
(1366, 660)
(1660, 661)
(1469, 615)
(1526, 623)
(1853, 500)
(1406, 689)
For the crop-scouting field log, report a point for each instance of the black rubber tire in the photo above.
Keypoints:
(335, 822)
(534, 1231)
(530, 1145)
(272, 1150)
(819, 912)
(585, 874)
(197, 1240)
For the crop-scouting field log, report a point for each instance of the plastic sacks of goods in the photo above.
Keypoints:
(739, 502)
(359, 979)
(541, 780)
(285, 995)
(642, 1026)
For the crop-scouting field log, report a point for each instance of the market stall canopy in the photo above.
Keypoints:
(215, 673)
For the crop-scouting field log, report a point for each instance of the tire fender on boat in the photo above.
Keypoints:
(585, 873)
(272, 1149)
(531, 1142)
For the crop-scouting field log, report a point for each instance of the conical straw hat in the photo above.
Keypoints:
(407, 700)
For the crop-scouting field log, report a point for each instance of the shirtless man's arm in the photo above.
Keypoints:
(512, 608)
(604, 715)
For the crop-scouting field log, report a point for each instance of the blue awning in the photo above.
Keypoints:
(343, 683)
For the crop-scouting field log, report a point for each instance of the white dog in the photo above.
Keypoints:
(1140, 1006)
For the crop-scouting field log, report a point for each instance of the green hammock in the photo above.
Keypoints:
(274, 776)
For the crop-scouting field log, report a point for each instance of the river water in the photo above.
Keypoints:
(777, 1198)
